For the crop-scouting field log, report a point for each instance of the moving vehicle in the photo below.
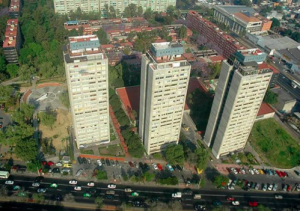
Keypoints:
(77, 188)
(92, 190)
(253, 204)
(112, 186)
(87, 195)
(187, 192)
(53, 185)
(217, 203)
(4, 174)
(177, 195)
(110, 192)
(17, 187)
(9, 182)
(135, 194)
(278, 197)
(41, 190)
(73, 182)
(235, 203)
(91, 184)
(197, 196)
(199, 207)
(127, 190)
(36, 184)
(230, 198)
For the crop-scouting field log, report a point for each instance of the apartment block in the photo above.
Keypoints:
(226, 44)
(15, 8)
(164, 82)
(238, 97)
(66, 6)
(86, 69)
(241, 18)
(12, 41)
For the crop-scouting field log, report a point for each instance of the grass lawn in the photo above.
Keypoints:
(112, 150)
(112, 134)
(274, 143)
(88, 151)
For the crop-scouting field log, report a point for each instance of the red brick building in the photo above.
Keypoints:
(12, 41)
(213, 34)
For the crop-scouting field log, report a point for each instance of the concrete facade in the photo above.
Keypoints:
(239, 94)
(87, 78)
(66, 6)
(164, 84)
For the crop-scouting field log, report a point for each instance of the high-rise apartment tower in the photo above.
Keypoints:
(164, 82)
(87, 77)
(239, 94)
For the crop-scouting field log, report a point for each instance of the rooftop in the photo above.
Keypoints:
(11, 32)
(231, 9)
(166, 49)
(264, 109)
(291, 54)
(279, 43)
(14, 6)
(246, 18)
(266, 65)
(283, 95)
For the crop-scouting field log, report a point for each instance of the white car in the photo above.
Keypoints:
(270, 187)
(9, 182)
(128, 190)
(77, 188)
(99, 162)
(243, 171)
(112, 186)
(229, 182)
(256, 171)
(73, 182)
(58, 164)
(278, 197)
(230, 187)
(235, 203)
(234, 170)
(91, 184)
(251, 171)
(36, 184)
(154, 166)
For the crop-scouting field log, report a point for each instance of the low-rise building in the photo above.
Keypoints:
(12, 41)
(291, 56)
(274, 14)
(265, 112)
(249, 55)
(285, 101)
(15, 8)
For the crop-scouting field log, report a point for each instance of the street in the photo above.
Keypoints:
(148, 192)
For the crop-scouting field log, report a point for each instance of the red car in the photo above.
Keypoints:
(238, 170)
(283, 174)
(278, 173)
(289, 188)
(50, 163)
(131, 164)
(159, 167)
(253, 204)
(44, 163)
(230, 198)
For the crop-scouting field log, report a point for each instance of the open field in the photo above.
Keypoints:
(272, 142)
(112, 150)
(59, 130)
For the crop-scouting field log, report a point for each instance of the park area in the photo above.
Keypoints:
(112, 150)
(274, 144)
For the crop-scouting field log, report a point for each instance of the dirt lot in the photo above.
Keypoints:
(59, 130)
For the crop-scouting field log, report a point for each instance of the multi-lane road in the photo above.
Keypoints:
(161, 193)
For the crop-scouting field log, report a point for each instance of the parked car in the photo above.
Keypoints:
(297, 187)
(79, 172)
(284, 187)
(178, 167)
(159, 167)
(235, 203)
(256, 171)
(270, 187)
(130, 164)
(112, 162)
(275, 186)
(257, 186)
(99, 162)
(59, 164)
(107, 162)
(154, 166)
(170, 167)
(84, 160)
(251, 171)
(297, 173)
(264, 187)
(50, 163)
(79, 159)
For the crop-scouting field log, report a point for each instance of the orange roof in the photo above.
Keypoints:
(107, 46)
(189, 56)
(265, 65)
(130, 97)
(217, 58)
(246, 18)
(264, 109)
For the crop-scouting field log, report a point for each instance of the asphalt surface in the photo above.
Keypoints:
(162, 193)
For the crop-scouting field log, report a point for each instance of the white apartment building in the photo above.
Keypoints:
(239, 94)
(66, 6)
(87, 77)
(164, 82)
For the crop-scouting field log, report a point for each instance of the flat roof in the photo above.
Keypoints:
(230, 9)
(279, 42)
(246, 18)
(291, 53)
(14, 6)
(264, 109)
(283, 95)
(11, 33)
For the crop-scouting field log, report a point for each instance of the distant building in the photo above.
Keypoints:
(15, 8)
(240, 18)
(164, 83)
(238, 97)
(265, 112)
(285, 101)
(291, 56)
(66, 6)
(274, 14)
(12, 41)
(211, 33)
(251, 55)
(87, 78)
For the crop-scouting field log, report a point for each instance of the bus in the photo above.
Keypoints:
(295, 84)
(4, 174)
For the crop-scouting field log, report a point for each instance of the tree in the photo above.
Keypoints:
(131, 11)
(202, 156)
(47, 70)
(175, 205)
(220, 181)
(5, 92)
(2, 64)
(148, 14)
(270, 97)
(215, 70)
(102, 175)
(265, 10)
(243, 2)
(99, 201)
(188, 50)
(263, 208)
(139, 11)
(174, 154)
(172, 180)
(3, 23)
(3, 191)
(38, 197)
(48, 118)
(64, 98)
(12, 70)
(171, 10)
(127, 51)
(27, 110)
(69, 197)
(26, 149)
(149, 176)
(182, 32)
(296, 36)
(275, 24)
(26, 72)
(102, 36)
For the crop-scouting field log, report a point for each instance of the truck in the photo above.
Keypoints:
(4, 174)
(176, 195)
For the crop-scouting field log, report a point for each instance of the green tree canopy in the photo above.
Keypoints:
(174, 154)
(182, 32)
(64, 98)
(243, 2)
(5, 92)
(12, 70)
(270, 97)
(99, 201)
(27, 72)
(48, 118)
(131, 11)
(296, 36)
(26, 149)
(275, 23)
(102, 36)
(220, 181)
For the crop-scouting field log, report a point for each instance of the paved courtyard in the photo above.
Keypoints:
(46, 98)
